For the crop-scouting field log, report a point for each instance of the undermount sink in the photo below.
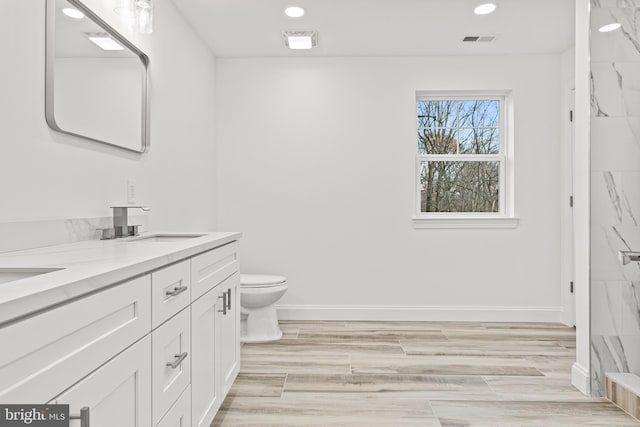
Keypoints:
(11, 274)
(167, 238)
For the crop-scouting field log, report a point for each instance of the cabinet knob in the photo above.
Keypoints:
(229, 299)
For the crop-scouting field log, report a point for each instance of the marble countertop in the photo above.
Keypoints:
(87, 266)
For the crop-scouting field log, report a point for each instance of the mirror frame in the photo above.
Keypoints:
(50, 74)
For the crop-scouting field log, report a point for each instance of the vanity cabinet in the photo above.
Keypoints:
(158, 350)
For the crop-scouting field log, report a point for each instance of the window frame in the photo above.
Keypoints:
(505, 217)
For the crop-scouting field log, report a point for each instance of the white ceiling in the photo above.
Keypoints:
(382, 27)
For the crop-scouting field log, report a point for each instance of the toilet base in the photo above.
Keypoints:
(259, 325)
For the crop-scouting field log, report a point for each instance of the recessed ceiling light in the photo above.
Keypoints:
(104, 41)
(73, 13)
(484, 9)
(294, 12)
(300, 42)
(609, 27)
(300, 39)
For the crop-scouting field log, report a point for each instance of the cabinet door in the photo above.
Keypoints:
(205, 385)
(171, 359)
(229, 334)
(118, 393)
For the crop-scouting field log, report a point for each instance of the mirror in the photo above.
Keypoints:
(98, 93)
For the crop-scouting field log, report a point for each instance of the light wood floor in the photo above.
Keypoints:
(413, 373)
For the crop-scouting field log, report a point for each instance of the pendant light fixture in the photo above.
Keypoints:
(144, 16)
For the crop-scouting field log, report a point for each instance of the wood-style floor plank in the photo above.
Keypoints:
(442, 365)
(307, 346)
(487, 413)
(488, 347)
(385, 335)
(535, 388)
(258, 385)
(333, 410)
(520, 334)
(317, 363)
(392, 386)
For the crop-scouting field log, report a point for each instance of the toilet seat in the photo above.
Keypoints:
(260, 280)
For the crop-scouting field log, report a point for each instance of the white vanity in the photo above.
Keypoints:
(130, 332)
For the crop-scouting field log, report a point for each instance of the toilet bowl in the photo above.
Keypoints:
(258, 294)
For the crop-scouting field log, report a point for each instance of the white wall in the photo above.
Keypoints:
(316, 167)
(46, 175)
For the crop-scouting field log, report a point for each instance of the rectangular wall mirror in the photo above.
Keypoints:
(96, 80)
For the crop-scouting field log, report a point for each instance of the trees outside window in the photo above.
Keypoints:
(461, 157)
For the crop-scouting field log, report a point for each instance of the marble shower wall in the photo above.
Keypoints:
(615, 189)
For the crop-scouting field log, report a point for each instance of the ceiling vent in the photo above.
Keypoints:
(300, 39)
(477, 39)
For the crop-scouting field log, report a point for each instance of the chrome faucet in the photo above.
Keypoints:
(121, 225)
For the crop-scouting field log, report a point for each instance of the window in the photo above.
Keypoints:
(462, 163)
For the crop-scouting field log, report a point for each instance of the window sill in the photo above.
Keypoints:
(464, 222)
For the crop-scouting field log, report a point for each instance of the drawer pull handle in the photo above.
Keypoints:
(176, 291)
(224, 304)
(83, 417)
(179, 359)
(229, 299)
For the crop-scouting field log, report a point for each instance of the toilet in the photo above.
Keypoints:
(258, 294)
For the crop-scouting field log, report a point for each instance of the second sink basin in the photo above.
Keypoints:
(166, 237)
(11, 274)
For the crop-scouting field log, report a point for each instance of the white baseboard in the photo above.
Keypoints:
(420, 313)
(580, 378)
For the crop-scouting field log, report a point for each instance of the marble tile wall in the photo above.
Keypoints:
(615, 190)
(16, 236)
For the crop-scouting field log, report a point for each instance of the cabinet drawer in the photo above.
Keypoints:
(180, 413)
(51, 351)
(118, 393)
(210, 268)
(169, 291)
(171, 362)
